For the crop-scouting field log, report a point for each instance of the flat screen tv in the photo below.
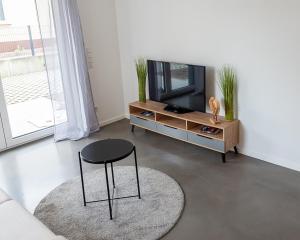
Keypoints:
(180, 86)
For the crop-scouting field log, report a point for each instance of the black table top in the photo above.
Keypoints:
(106, 151)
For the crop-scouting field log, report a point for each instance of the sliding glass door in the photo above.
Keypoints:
(25, 103)
(3, 145)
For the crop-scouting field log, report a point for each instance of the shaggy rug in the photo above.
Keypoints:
(148, 218)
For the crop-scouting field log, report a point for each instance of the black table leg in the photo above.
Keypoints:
(223, 157)
(108, 193)
(112, 174)
(132, 128)
(235, 150)
(82, 183)
(137, 174)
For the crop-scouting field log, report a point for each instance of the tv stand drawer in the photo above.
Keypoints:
(172, 132)
(214, 144)
(151, 125)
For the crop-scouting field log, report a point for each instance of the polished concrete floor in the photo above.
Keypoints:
(243, 199)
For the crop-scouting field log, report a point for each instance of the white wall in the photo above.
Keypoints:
(100, 34)
(259, 38)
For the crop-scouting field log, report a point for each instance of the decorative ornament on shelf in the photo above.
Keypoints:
(227, 84)
(141, 71)
(214, 106)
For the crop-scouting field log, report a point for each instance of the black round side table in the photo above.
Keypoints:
(106, 152)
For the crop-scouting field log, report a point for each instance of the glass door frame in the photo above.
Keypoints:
(7, 140)
(3, 144)
(6, 133)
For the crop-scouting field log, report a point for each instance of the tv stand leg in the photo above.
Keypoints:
(223, 157)
(132, 128)
(235, 150)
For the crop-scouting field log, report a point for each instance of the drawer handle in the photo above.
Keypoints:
(170, 127)
(204, 137)
(141, 118)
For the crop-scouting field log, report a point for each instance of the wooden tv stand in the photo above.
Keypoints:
(185, 127)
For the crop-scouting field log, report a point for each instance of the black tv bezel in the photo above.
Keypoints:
(153, 86)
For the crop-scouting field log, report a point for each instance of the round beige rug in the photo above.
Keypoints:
(148, 218)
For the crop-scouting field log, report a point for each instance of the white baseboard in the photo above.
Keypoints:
(272, 159)
(111, 120)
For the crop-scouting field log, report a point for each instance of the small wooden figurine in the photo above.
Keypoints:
(214, 106)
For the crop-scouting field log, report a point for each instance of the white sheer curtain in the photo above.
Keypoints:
(73, 107)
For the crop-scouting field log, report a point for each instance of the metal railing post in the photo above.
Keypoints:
(31, 40)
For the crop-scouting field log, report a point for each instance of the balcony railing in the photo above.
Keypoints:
(21, 41)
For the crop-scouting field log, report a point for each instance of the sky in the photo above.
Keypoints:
(20, 12)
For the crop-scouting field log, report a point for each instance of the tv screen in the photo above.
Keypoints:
(180, 86)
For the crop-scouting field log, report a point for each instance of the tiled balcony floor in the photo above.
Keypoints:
(24, 87)
(28, 102)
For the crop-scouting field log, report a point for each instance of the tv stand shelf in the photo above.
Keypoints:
(185, 127)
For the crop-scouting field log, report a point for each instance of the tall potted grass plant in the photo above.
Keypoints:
(141, 71)
(227, 84)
